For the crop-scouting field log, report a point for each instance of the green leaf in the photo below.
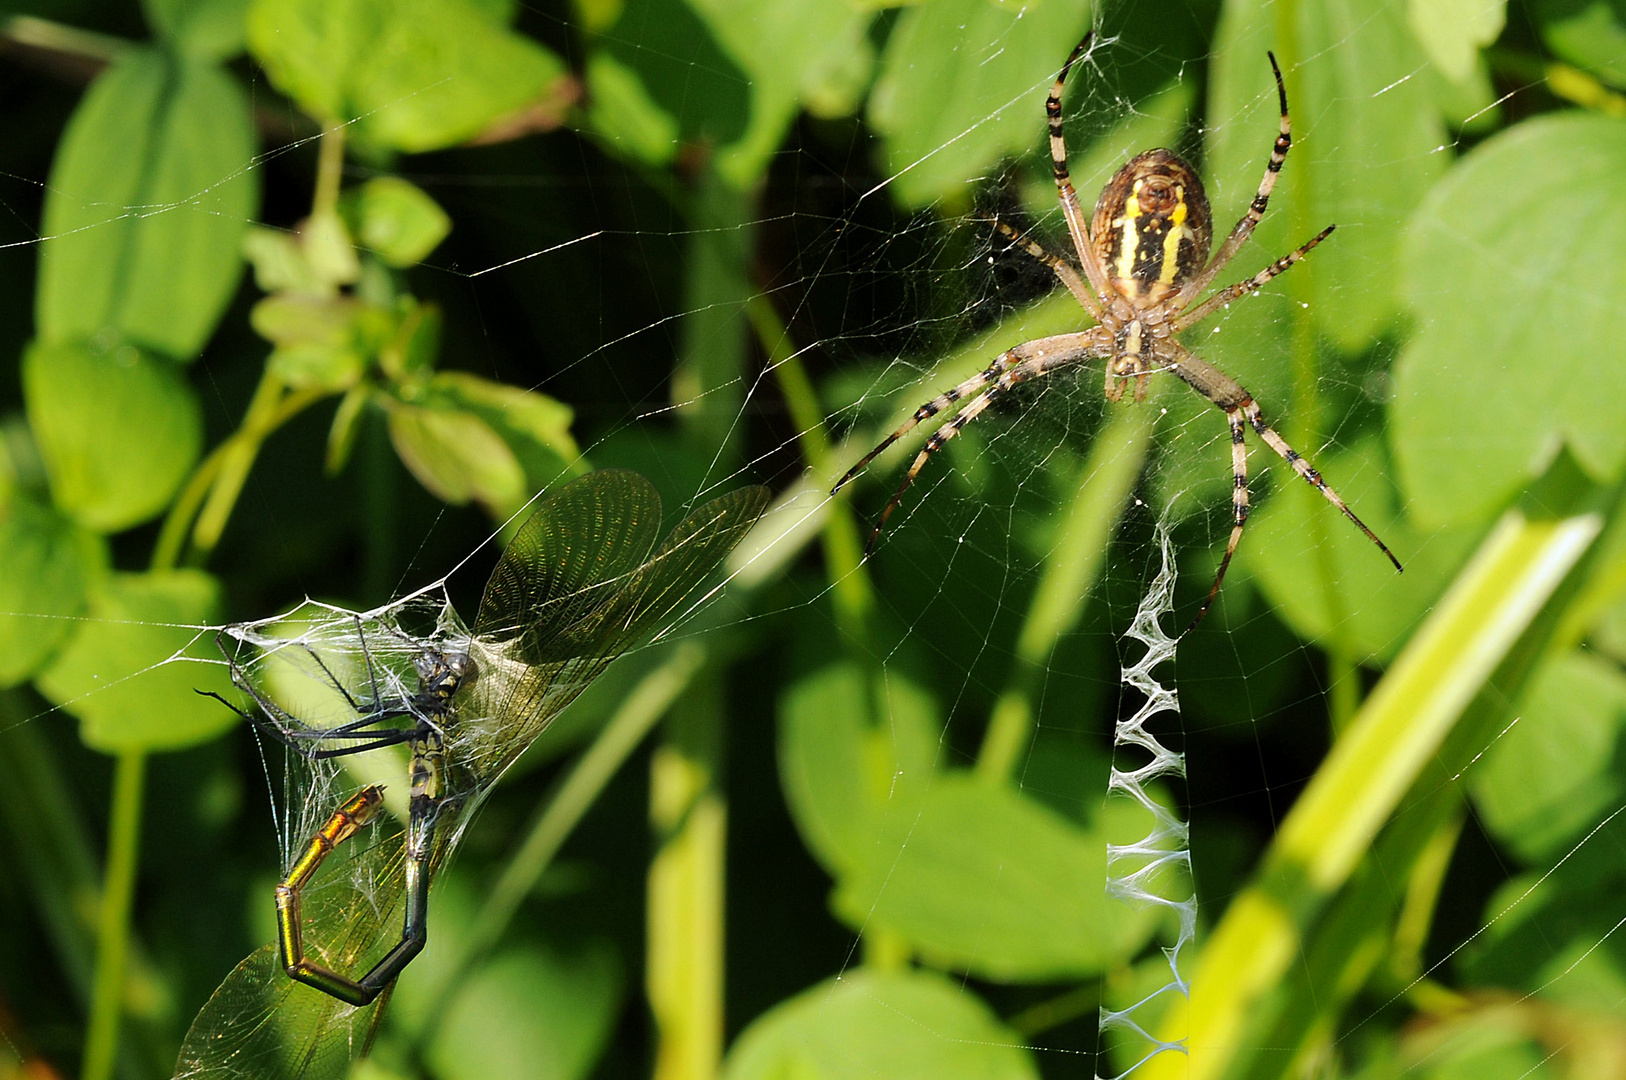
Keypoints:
(1453, 31)
(1556, 771)
(396, 220)
(791, 51)
(412, 75)
(1298, 539)
(535, 427)
(50, 565)
(530, 1013)
(1592, 36)
(1367, 141)
(1492, 244)
(114, 676)
(280, 263)
(148, 197)
(985, 880)
(457, 456)
(847, 773)
(1555, 930)
(118, 430)
(206, 29)
(621, 112)
(906, 1025)
(962, 84)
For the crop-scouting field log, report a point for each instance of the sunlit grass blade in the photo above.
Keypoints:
(1401, 726)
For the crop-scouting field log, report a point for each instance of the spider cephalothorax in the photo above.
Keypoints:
(1144, 257)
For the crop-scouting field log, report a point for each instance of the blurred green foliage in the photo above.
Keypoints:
(286, 278)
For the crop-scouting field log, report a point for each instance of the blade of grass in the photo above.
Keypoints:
(1398, 730)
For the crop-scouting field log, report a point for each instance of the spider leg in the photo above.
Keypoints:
(1070, 207)
(1253, 284)
(1256, 209)
(1304, 469)
(1061, 267)
(1239, 510)
(1076, 346)
(1028, 369)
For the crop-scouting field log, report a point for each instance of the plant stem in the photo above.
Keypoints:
(853, 593)
(329, 170)
(1106, 481)
(113, 929)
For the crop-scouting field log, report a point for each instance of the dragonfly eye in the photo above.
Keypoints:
(462, 668)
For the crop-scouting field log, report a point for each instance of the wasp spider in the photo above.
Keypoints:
(1145, 258)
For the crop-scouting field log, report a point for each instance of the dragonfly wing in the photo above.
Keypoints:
(261, 1025)
(575, 553)
(521, 690)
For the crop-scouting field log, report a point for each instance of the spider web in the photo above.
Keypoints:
(887, 307)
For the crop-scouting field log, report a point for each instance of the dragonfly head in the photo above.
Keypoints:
(442, 674)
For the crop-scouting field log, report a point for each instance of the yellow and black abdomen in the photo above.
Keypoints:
(1152, 226)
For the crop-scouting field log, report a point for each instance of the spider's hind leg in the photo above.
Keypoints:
(1313, 478)
(1239, 510)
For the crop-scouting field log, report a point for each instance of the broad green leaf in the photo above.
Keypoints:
(530, 1013)
(207, 29)
(280, 263)
(148, 198)
(457, 456)
(622, 114)
(792, 51)
(535, 426)
(118, 430)
(411, 75)
(906, 1025)
(985, 880)
(1592, 36)
(1367, 142)
(1470, 422)
(1554, 930)
(115, 674)
(1298, 540)
(1556, 771)
(845, 771)
(50, 563)
(1453, 31)
(680, 65)
(962, 84)
(396, 220)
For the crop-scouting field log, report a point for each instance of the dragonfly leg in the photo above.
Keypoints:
(426, 801)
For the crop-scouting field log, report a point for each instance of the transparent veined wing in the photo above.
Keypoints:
(577, 586)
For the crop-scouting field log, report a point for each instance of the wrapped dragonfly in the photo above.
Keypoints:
(581, 582)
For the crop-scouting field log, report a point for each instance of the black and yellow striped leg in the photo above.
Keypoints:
(1313, 478)
(1252, 285)
(1060, 267)
(1029, 369)
(1239, 509)
(1073, 346)
(1071, 209)
(1256, 209)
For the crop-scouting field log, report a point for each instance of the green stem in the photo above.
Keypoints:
(113, 927)
(843, 552)
(329, 170)
(1106, 480)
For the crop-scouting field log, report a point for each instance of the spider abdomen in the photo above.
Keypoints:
(1152, 227)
